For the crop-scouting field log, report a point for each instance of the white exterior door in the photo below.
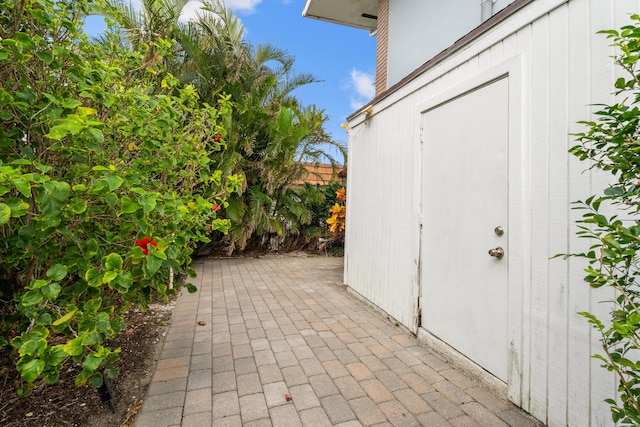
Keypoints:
(464, 201)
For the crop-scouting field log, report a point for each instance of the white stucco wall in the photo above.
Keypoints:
(440, 24)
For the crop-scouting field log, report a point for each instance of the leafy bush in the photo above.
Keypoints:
(106, 185)
(612, 144)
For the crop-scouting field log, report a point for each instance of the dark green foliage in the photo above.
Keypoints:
(612, 144)
(100, 152)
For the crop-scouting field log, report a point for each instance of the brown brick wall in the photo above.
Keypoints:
(381, 46)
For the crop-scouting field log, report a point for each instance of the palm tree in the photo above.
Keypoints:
(269, 135)
(156, 19)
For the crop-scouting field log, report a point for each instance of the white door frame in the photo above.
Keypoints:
(518, 225)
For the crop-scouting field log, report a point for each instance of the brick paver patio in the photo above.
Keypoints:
(276, 341)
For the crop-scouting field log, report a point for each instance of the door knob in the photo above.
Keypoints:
(497, 252)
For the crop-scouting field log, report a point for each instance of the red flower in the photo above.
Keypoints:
(144, 244)
(216, 207)
(217, 138)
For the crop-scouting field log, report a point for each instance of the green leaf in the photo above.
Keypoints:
(153, 264)
(32, 370)
(92, 338)
(113, 262)
(92, 306)
(18, 207)
(57, 272)
(111, 199)
(45, 56)
(56, 355)
(65, 318)
(22, 185)
(5, 213)
(48, 204)
(123, 282)
(90, 248)
(148, 204)
(74, 347)
(109, 276)
(52, 377)
(71, 103)
(31, 298)
(52, 290)
(5, 96)
(128, 206)
(82, 377)
(102, 322)
(78, 205)
(235, 210)
(93, 277)
(59, 190)
(37, 284)
(113, 181)
(58, 132)
(118, 325)
(92, 362)
(44, 319)
(96, 380)
(32, 347)
(96, 135)
(191, 288)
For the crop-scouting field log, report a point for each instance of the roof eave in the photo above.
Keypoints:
(354, 15)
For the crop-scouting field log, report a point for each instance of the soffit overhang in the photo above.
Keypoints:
(353, 13)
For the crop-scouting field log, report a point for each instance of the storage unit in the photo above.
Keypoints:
(474, 148)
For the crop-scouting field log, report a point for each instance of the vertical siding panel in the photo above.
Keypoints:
(496, 53)
(510, 46)
(524, 37)
(558, 216)
(463, 71)
(385, 141)
(539, 217)
(484, 60)
(472, 66)
(578, 293)
(602, 79)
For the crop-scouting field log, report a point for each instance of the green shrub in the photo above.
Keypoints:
(612, 144)
(106, 184)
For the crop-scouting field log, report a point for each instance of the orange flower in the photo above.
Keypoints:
(338, 209)
(337, 220)
(341, 195)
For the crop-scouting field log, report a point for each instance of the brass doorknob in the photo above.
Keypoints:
(497, 252)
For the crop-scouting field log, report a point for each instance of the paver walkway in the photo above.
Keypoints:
(275, 341)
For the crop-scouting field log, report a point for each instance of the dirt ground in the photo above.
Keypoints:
(65, 405)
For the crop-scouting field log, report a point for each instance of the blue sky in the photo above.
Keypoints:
(342, 57)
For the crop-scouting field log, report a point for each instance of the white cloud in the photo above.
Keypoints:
(190, 10)
(364, 83)
(193, 7)
(243, 5)
(364, 86)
